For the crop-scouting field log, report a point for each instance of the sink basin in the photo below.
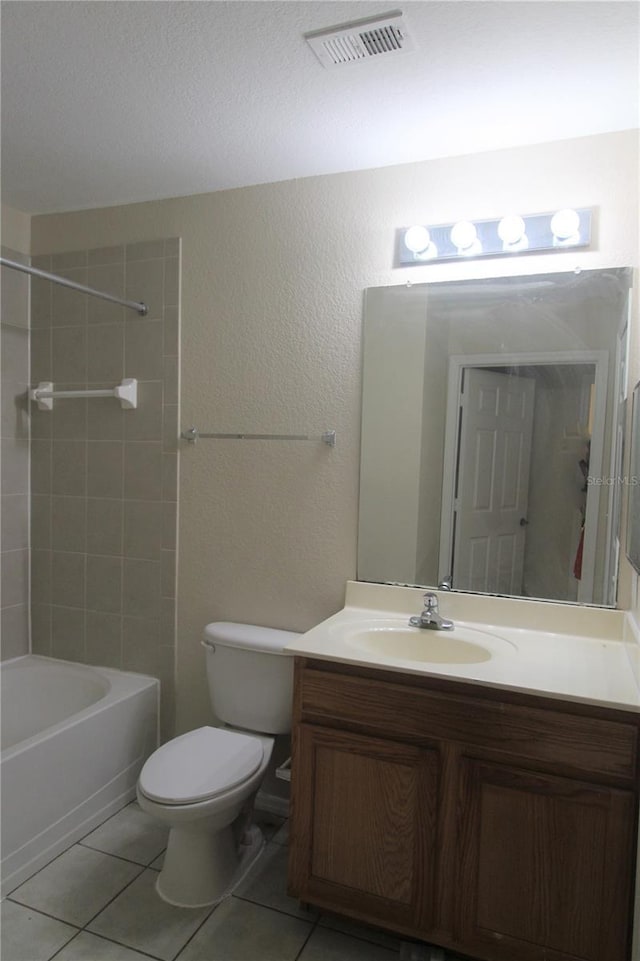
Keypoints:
(394, 639)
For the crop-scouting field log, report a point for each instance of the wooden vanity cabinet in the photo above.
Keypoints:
(496, 824)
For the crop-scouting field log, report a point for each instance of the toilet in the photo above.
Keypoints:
(203, 784)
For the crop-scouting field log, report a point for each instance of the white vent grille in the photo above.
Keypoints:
(360, 40)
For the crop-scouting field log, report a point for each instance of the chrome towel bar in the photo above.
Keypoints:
(192, 434)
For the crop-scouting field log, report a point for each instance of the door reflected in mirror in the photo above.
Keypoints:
(491, 435)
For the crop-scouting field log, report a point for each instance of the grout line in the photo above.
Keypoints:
(204, 921)
(117, 895)
(121, 857)
(308, 938)
(46, 914)
(120, 944)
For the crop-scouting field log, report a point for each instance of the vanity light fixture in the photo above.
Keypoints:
(514, 233)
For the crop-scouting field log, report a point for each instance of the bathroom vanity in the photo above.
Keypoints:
(495, 818)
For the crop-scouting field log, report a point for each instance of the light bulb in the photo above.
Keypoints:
(512, 230)
(464, 236)
(417, 239)
(565, 226)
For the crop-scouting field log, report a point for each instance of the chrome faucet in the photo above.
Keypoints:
(430, 617)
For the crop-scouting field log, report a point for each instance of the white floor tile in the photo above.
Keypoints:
(358, 930)
(327, 945)
(242, 931)
(266, 884)
(132, 834)
(76, 885)
(29, 936)
(140, 919)
(158, 863)
(89, 947)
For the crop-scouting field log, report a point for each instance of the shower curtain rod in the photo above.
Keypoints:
(142, 308)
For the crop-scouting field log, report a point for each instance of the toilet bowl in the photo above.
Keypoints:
(199, 784)
(202, 784)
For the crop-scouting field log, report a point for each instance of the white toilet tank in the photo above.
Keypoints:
(250, 676)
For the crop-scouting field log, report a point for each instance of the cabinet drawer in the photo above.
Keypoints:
(591, 745)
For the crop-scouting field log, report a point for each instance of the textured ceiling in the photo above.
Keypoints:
(113, 102)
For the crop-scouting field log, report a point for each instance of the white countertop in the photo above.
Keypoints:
(578, 654)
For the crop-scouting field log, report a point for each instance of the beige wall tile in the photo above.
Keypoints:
(41, 576)
(68, 260)
(143, 471)
(169, 477)
(170, 429)
(14, 413)
(109, 279)
(15, 578)
(68, 523)
(15, 465)
(145, 250)
(143, 349)
(104, 584)
(171, 282)
(69, 306)
(169, 525)
(171, 330)
(105, 353)
(69, 416)
(104, 526)
(14, 525)
(67, 633)
(41, 422)
(104, 639)
(144, 281)
(41, 629)
(89, 455)
(105, 420)
(69, 467)
(68, 578)
(141, 588)
(14, 297)
(41, 300)
(41, 368)
(41, 522)
(168, 566)
(69, 355)
(14, 342)
(14, 631)
(105, 464)
(142, 529)
(106, 255)
(145, 423)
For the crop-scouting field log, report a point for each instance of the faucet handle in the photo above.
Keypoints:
(431, 602)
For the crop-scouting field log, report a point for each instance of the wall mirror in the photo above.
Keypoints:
(492, 434)
(633, 513)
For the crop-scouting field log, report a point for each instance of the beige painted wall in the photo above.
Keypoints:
(271, 311)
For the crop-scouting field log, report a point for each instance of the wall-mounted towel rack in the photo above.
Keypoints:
(141, 307)
(126, 392)
(193, 434)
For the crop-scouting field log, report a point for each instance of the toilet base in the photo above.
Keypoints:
(202, 869)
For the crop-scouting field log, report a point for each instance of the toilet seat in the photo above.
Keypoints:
(200, 765)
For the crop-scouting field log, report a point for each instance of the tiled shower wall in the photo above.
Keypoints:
(104, 479)
(14, 533)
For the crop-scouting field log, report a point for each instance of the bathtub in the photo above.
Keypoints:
(73, 741)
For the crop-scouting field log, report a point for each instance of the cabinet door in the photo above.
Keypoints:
(363, 826)
(544, 866)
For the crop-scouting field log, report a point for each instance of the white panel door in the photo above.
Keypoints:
(494, 452)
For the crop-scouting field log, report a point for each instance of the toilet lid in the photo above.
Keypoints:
(200, 765)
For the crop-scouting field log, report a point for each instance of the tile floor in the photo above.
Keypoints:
(97, 902)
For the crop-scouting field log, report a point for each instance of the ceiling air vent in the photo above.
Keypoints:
(360, 40)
